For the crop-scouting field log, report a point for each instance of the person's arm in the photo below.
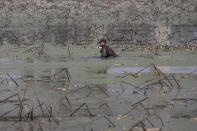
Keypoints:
(112, 53)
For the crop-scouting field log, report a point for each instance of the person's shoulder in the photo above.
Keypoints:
(106, 46)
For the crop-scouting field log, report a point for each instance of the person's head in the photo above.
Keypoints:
(102, 42)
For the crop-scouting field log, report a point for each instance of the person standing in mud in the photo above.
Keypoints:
(106, 51)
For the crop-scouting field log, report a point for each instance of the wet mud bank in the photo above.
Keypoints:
(82, 92)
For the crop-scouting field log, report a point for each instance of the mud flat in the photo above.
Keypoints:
(43, 88)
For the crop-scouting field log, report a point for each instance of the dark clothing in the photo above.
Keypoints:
(106, 51)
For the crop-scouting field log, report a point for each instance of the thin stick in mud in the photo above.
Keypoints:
(6, 113)
(178, 85)
(137, 87)
(167, 80)
(68, 48)
(137, 124)
(68, 102)
(158, 71)
(142, 70)
(185, 99)
(6, 99)
(104, 92)
(84, 104)
(89, 112)
(92, 90)
(159, 118)
(20, 109)
(76, 90)
(12, 79)
(128, 74)
(32, 113)
(40, 127)
(150, 122)
(134, 107)
(38, 100)
(140, 101)
(110, 121)
(105, 104)
(50, 111)
(68, 74)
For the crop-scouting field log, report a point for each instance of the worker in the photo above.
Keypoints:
(106, 51)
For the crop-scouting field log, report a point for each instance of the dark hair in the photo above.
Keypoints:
(103, 40)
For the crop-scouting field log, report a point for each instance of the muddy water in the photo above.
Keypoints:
(98, 83)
